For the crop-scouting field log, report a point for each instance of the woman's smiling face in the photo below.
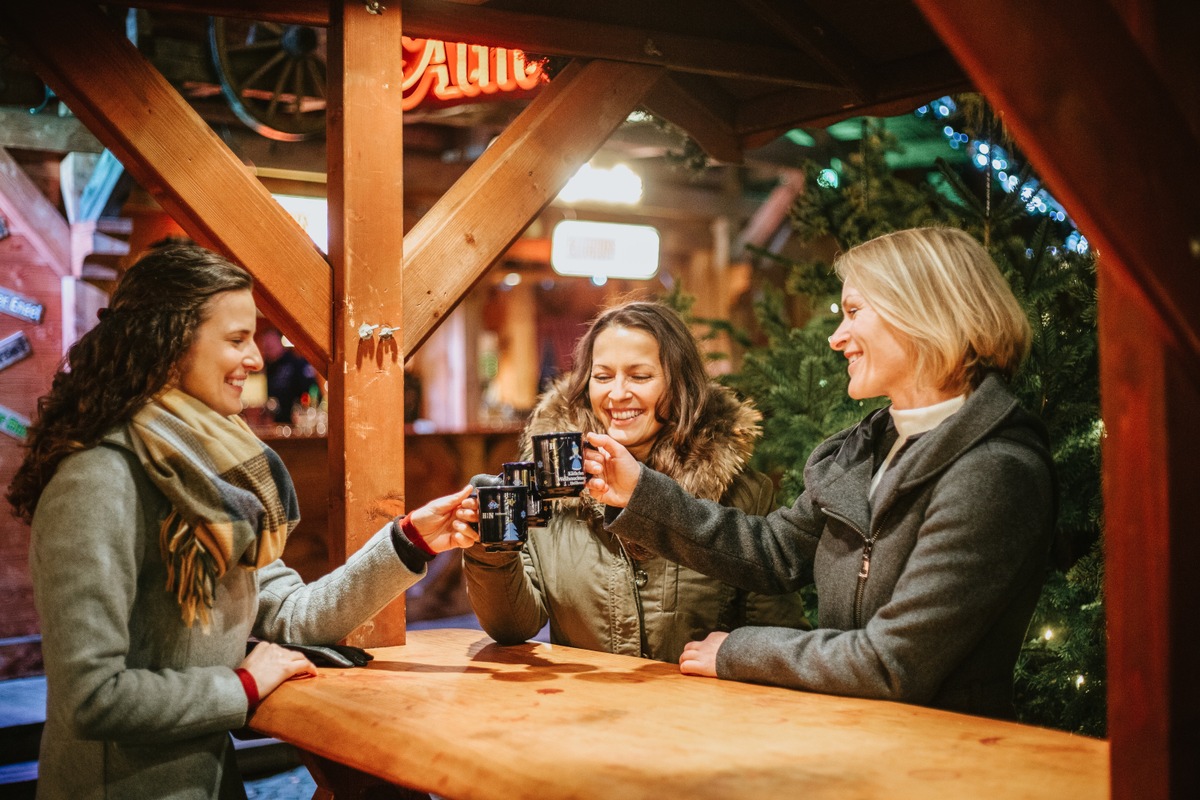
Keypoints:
(880, 365)
(625, 387)
(223, 353)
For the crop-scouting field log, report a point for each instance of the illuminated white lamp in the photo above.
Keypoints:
(312, 213)
(604, 250)
(618, 185)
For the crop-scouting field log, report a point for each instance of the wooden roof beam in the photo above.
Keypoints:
(796, 22)
(554, 35)
(49, 132)
(899, 87)
(702, 109)
(28, 213)
(174, 155)
(476, 221)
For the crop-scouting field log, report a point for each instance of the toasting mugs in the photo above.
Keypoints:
(503, 517)
(521, 495)
(559, 460)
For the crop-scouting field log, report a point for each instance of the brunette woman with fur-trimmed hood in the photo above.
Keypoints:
(640, 378)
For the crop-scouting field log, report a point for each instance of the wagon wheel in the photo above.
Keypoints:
(272, 75)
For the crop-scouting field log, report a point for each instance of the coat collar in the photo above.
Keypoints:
(841, 480)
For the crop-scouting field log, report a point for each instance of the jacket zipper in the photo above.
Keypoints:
(643, 643)
(864, 569)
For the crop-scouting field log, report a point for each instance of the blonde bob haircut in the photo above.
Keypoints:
(941, 290)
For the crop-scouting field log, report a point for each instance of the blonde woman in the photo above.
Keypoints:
(928, 524)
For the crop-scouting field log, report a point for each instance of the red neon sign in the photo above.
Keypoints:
(451, 71)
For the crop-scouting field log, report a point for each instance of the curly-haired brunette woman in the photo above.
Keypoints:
(638, 376)
(158, 521)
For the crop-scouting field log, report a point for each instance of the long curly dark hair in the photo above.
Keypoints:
(116, 367)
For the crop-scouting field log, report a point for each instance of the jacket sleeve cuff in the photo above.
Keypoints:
(414, 556)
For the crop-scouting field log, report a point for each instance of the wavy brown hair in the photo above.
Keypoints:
(116, 367)
(686, 381)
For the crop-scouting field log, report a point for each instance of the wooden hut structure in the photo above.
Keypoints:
(1103, 96)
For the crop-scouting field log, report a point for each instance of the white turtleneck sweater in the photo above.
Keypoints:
(911, 422)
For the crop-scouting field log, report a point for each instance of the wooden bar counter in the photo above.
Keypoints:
(453, 713)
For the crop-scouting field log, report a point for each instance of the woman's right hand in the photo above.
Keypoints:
(616, 471)
(270, 665)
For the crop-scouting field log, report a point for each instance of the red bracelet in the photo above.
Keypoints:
(249, 686)
(414, 535)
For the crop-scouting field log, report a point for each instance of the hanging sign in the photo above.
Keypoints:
(20, 307)
(455, 72)
(13, 424)
(14, 348)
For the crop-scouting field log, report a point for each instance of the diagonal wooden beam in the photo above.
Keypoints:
(175, 156)
(453, 245)
(701, 108)
(30, 214)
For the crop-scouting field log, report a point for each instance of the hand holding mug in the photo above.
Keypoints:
(615, 471)
(443, 523)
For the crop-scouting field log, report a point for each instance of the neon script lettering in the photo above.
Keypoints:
(453, 71)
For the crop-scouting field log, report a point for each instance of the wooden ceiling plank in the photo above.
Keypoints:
(899, 87)
(559, 36)
(30, 214)
(295, 12)
(366, 248)
(453, 245)
(546, 35)
(795, 21)
(700, 108)
(48, 132)
(173, 153)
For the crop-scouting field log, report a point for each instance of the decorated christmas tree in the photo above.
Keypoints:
(799, 383)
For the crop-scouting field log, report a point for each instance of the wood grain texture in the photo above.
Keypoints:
(453, 245)
(176, 157)
(29, 214)
(366, 248)
(455, 714)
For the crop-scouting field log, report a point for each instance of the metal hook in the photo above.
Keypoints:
(375, 7)
(366, 331)
(386, 332)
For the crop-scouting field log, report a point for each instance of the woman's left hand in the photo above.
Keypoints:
(443, 523)
(700, 658)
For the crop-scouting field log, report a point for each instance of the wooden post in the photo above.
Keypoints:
(1107, 136)
(1150, 396)
(366, 208)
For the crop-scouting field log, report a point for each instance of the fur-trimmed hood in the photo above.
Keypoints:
(719, 448)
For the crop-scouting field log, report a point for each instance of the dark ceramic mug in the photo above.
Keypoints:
(503, 517)
(559, 464)
(521, 473)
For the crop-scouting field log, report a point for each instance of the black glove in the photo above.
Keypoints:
(332, 655)
(486, 479)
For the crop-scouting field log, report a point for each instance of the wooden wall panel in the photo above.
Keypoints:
(23, 271)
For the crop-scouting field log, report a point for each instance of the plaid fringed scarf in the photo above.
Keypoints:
(232, 499)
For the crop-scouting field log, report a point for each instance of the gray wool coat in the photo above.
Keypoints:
(137, 704)
(924, 594)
